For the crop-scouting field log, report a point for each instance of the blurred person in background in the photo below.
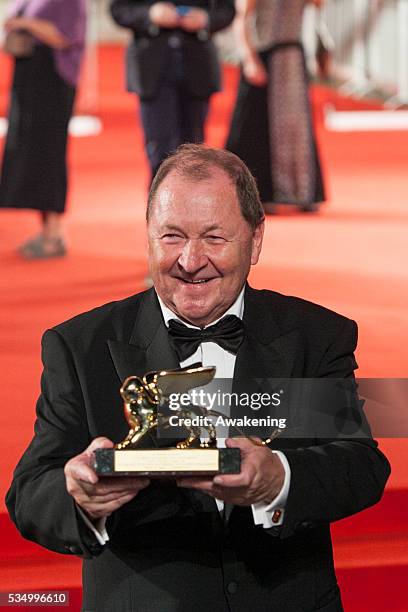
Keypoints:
(172, 65)
(271, 128)
(34, 168)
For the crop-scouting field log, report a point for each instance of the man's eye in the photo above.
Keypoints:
(172, 237)
(214, 238)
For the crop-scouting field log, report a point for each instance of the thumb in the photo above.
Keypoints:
(87, 457)
(242, 443)
(80, 466)
(100, 442)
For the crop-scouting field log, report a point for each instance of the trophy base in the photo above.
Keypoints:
(172, 462)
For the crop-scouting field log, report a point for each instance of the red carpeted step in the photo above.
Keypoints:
(389, 516)
(374, 589)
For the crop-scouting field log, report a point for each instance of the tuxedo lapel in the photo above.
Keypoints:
(128, 360)
(265, 361)
(148, 347)
(267, 350)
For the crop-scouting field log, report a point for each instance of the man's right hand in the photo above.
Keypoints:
(98, 497)
(164, 15)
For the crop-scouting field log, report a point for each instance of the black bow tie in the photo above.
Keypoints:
(228, 333)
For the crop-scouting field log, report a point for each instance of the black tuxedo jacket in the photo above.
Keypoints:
(149, 53)
(169, 549)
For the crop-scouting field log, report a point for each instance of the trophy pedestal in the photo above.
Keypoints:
(172, 462)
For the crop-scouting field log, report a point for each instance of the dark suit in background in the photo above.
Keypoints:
(173, 72)
(169, 549)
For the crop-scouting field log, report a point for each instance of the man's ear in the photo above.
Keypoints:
(257, 239)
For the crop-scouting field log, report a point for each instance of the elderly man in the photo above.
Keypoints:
(164, 547)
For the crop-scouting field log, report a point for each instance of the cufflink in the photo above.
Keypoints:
(276, 516)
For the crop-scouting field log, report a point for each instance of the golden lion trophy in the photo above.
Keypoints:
(144, 401)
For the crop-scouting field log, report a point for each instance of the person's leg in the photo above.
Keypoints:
(161, 124)
(193, 116)
(52, 226)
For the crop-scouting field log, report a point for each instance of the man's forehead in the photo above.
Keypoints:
(180, 195)
(208, 175)
(209, 199)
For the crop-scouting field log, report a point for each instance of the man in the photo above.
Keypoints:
(172, 65)
(172, 547)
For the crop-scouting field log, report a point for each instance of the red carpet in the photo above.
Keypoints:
(351, 257)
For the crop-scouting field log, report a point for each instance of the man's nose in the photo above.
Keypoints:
(193, 257)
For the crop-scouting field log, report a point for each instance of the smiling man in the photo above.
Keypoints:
(256, 540)
(201, 246)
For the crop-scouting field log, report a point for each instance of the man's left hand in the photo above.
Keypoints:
(260, 480)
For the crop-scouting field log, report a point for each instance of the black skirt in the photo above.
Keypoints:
(272, 131)
(34, 168)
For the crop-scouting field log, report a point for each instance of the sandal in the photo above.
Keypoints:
(40, 248)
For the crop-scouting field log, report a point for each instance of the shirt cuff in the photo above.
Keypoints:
(98, 528)
(271, 515)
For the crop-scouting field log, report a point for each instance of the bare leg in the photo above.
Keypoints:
(52, 226)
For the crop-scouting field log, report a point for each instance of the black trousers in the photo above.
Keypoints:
(173, 116)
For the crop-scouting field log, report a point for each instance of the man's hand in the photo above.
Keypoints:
(260, 480)
(98, 497)
(196, 19)
(164, 15)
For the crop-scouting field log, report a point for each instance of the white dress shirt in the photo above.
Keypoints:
(211, 354)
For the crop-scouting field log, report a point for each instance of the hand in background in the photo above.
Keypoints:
(260, 480)
(16, 23)
(254, 72)
(42, 29)
(196, 19)
(164, 15)
(98, 497)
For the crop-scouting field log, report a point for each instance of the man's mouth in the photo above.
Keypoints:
(199, 281)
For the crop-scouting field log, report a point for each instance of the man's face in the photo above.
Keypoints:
(200, 246)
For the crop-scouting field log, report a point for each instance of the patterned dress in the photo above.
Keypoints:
(271, 128)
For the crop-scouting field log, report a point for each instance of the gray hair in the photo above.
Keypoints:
(195, 161)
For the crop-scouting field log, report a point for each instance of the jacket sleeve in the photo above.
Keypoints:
(38, 501)
(132, 15)
(334, 478)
